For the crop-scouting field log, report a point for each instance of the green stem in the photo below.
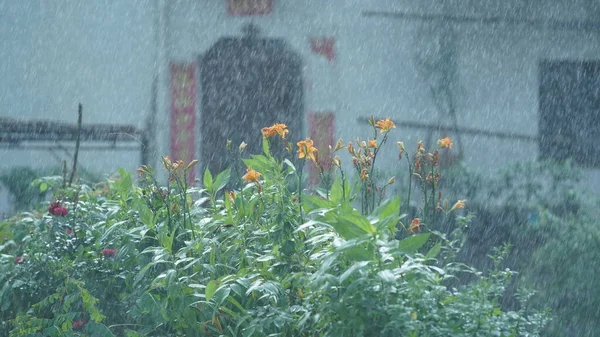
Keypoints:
(410, 174)
(343, 184)
(168, 204)
(185, 208)
(432, 194)
(300, 190)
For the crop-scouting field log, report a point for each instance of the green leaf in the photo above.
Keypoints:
(356, 266)
(387, 214)
(359, 249)
(313, 202)
(351, 224)
(221, 294)
(411, 244)
(390, 208)
(387, 276)
(363, 252)
(208, 180)
(290, 165)
(221, 180)
(125, 184)
(18, 283)
(146, 216)
(97, 329)
(337, 193)
(434, 251)
(111, 229)
(43, 187)
(211, 289)
(265, 146)
(236, 303)
(131, 333)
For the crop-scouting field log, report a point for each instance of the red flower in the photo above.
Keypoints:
(19, 260)
(69, 231)
(56, 209)
(109, 252)
(79, 324)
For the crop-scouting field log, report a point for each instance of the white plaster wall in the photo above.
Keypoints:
(374, 71)
(54, 54)
(102, 53)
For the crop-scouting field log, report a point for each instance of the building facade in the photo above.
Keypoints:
(495, 75)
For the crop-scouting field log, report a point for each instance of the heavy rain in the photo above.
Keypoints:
(299, 168)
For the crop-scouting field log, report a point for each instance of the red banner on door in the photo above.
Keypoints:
(183, 114)
(324, 46)
(321, 128)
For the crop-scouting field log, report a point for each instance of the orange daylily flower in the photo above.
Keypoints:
(167, 162)
(306, 149)
(415, 226)
(143, 170)
(385, 125)
(242, 147)
(458, 204)
(420, 147)
(336, 161)
(172, 166)
(231, 195)
(350, 148)
(401, 146)
(251, 175)
(364, 174)
(339, 145)
(373, 143)
(274, 130)
(445, 142)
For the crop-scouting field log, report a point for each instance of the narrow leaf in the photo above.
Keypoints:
(211, 288)
(434, 251)
(208, 180)
(411, 244)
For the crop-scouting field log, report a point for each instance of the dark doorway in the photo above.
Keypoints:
(569, 126)
(247, 83)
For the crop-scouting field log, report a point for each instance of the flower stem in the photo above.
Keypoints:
(410, 174)
(300, 190)
(343, 184)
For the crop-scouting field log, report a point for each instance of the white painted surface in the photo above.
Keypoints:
(104, 54)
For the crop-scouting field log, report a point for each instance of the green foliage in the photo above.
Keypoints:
(18, 183)
(562, 267)
(28, 187)
(551, 223)
(147, 259)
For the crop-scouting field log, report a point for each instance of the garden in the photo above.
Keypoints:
(255, 251)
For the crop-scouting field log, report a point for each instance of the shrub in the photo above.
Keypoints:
(551, 224)
(263, 260)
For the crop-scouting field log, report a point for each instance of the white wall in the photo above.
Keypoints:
(102, 53)
(374, 72)
(54, 54)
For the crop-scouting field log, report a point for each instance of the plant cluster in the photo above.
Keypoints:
(541, 209)
(265, 259)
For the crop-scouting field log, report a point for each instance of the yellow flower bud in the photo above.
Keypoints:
(242, 147)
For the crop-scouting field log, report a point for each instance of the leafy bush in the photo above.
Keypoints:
(26, 189)
(551, 223)
(266, 259)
